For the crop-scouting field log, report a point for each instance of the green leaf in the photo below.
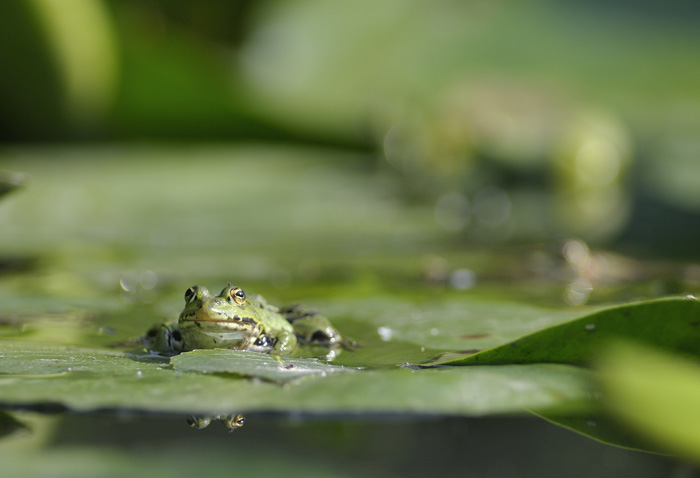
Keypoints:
(34, 359)
(100, 380)
(669, 323)
(655, 393)
(252, 364)
(444, 323)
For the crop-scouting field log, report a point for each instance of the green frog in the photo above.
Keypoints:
(234, 320)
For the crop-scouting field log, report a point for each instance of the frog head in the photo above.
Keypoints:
(225, 320)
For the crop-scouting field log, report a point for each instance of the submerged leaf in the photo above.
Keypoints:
(598, 427)
(672, 324)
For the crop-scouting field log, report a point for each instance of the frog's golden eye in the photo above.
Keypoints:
(190, 295)
(238, 295)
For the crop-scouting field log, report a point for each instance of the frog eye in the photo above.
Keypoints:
(237, 295)
(190, 295)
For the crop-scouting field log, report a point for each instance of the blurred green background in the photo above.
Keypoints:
(554, 119)
(546, 151)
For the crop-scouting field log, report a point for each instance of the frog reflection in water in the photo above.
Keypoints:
(232, 422)
(232, 320)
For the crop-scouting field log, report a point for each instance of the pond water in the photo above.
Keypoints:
(103, 242)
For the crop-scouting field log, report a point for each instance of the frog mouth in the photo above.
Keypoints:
(214, 316)
(243, 321)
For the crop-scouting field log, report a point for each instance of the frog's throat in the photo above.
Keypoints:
(233, 336)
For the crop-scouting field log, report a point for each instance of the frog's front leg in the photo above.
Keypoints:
(286, 342)
(310, 326)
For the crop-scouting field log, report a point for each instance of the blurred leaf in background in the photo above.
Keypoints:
(655, 394)
(515, 121)
(60, 68)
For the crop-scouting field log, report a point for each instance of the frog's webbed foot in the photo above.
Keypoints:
(312, 327)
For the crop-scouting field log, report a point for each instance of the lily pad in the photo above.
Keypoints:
(31, 359)
(445, 323)
(672, 324)
(110, 381)
(252, 364)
